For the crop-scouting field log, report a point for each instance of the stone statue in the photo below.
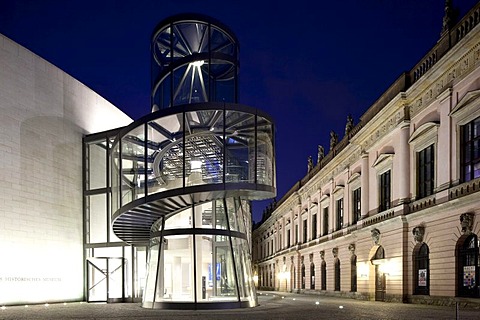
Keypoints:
(322, 254)
(335, 252)
(418, 233)
(376, 236)
(351, 248)
(466, 221)
(349, 125)
(333, 140)
(321, 154)
(448, 17)
(310, 163)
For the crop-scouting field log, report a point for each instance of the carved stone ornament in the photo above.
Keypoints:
(322, 254)
(466, 221)
(376, 236)
(351, 248)
(418, 233)
(335, 252)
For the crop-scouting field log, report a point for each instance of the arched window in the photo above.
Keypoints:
(312, 276)
(337, 274)
(303, 276)
(421, 267)
(353, 274)
(324, 275)
(468, 266)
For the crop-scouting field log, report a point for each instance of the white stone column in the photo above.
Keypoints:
(403, 157)
(331, 212)
(444, 153)
(365, 185)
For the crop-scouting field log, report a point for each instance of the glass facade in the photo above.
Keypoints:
(182, 177)
(115, 270)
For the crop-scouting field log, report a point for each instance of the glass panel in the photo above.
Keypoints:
(206, 275)
(204, 147)
(265, 160)
(180, 220)
(115, 277)
(152, 266)
(133, 165)
(175, 274)
(97, 222)
(240, 138)
(224, 288)
(204, 215)
(165, 139)
(162, 97)
(244, 274)
(141, 268)
(232, 214)
(97, 168)
(115, 178)
(220, 215)
(97, 281)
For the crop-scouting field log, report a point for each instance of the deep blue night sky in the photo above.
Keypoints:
(307, 63)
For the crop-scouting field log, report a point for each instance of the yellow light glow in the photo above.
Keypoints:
(363, 270)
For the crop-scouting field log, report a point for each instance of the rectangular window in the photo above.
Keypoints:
(425, 172)
(296, 234)
(385, 186)
(305, 226)
(339, 214)
(357, 204)
(325, 221)
(314, 226)
(470, 150)
(288, 238)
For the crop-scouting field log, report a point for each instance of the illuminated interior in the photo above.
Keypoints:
(183, 176)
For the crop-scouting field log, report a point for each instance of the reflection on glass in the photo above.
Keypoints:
(97, 157)
(220, 261)
(175, 278)
(116, 175)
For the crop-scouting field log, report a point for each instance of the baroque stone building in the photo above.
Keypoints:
(391, 212)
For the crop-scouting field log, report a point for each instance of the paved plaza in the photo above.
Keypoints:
(272, 306)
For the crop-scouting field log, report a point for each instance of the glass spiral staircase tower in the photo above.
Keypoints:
(184, 175)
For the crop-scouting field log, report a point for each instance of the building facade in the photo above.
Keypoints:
(391, 212)
(97, 207)
(183, 176)
(44, 114)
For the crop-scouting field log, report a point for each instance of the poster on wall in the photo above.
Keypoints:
(422, 277)
(469, 276)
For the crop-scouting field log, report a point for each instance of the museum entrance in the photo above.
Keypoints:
(105, 277)
(380, 287)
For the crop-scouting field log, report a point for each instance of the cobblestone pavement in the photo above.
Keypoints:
(272, 306)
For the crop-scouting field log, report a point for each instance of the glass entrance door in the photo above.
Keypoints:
(105, 279)
(380, 287)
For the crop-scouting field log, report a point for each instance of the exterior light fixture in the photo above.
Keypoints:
(198, 63)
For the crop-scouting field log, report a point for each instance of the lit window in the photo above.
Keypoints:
(425, 172)
(470, 148)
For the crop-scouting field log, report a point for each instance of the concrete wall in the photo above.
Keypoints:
(44, 114)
